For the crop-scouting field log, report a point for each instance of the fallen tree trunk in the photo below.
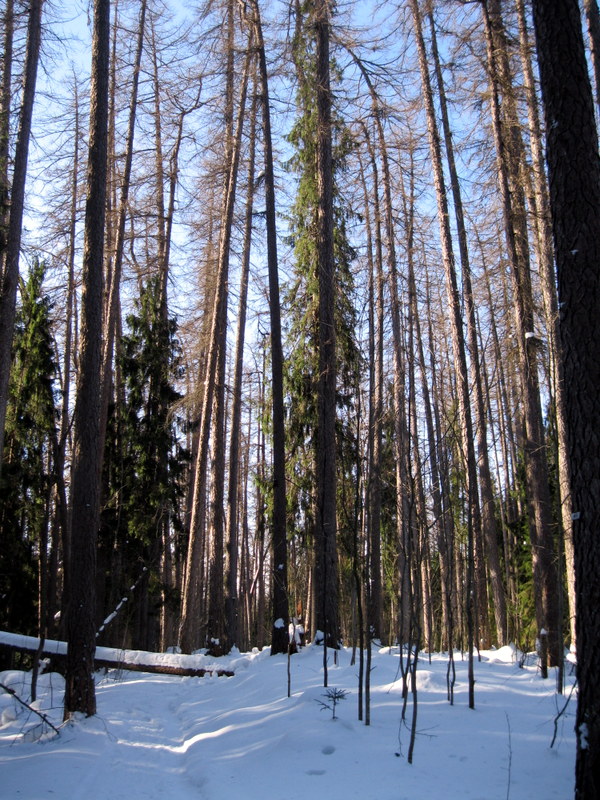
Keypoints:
(113, 658)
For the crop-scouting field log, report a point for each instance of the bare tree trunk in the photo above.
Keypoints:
(233, 493)
(8, 22)
(87, 440)
(488, 519)
(376, 433)
(574, 179)
(592, 15)
(279, 633)
(548, 281)
(459, 353)
(114, 278)
(65, 421)
(441, 520)
(12, 253)
(509, 151)
(401, 427)
(189, 633)
(373, 482)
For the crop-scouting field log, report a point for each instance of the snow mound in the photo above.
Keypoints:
(505, 655)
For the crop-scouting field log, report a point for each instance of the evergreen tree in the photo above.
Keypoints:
(27, 475)
(302, 299)
(143, 468)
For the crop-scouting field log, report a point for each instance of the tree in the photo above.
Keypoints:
(11, 250)
(189, 629)
(143, 465)
(30, 462)
(279, 633)
(458, 345)
(326, 523)
(510, 161)
(321, 338)
(574, 179)
(87, 441)
(5, 97)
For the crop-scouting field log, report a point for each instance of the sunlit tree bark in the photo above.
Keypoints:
(87, 441)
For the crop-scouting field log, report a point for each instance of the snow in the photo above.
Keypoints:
(158, 736)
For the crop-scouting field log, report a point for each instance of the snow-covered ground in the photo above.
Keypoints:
(177, 738)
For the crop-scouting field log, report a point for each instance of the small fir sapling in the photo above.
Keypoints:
(334, 695)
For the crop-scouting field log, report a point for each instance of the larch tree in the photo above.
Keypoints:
(11, 248)
(80, 693)
(279, 632)
(510, 161)
(574, 179)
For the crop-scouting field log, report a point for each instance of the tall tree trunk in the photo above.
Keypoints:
(12, 253)
(459, 353)
(376, 437)
(326, 569)
(114, 278)
(592, 15)
(65, 417)
(8, 25)
(509, 149)
(401, 426)
(233, 492)
(548, 281)
(375, 434)
(189, 633)
(574, 179)
(488, 518)
(279, 634)
(87, 440)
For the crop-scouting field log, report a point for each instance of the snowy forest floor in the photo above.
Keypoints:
(158, 736)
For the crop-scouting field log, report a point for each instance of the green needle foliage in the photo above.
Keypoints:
(144, 463)
(302, 298)
(28, 469)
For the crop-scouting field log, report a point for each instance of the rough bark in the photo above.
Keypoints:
(189, 629)
(12, 253)
(279, 634)
(488, 519)
(326, 523)
(458, 347)
(114, 278)
(87, 442)
(574, 180)
(5, 95)
(233, 491)
(509, 153)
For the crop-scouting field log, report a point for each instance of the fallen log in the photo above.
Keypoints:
(113, 658)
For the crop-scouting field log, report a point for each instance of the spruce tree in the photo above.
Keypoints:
(28, 468)
(302, 302)
(143, 467)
